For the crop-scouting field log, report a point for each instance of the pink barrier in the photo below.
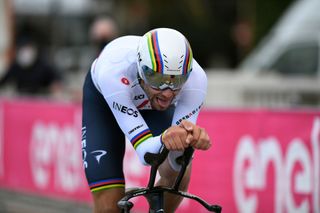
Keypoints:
(41, 149)
(261, 161)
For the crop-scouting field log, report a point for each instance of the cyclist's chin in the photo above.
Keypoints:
(159, 108)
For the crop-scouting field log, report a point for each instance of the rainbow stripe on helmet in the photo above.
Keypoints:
(156, 56)
(187, 60)
(154, 51)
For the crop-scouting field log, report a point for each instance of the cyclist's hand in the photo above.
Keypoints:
(200, 138)
(175, 138)
(203, 142)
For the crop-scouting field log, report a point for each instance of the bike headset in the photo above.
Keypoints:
(164, 59)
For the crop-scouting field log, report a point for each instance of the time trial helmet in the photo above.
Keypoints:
(164, 59)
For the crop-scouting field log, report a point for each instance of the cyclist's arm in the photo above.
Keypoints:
(189, 105)
(128, 117)
(133, 125)
(191, 97)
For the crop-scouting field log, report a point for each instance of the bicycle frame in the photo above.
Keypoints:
(155, 194)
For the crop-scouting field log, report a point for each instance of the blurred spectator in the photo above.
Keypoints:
(103, 30)
(30, 73)
(242, 35)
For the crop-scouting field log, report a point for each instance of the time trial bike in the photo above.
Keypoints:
(155, 194)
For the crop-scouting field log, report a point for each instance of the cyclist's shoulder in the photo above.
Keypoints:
(197, 69)
(197, 78)
(128, 41)
(122, 49)
(118, 56)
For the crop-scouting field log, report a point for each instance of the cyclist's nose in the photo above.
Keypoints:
(168, 93)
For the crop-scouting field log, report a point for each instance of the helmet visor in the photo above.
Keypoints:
(160, 81)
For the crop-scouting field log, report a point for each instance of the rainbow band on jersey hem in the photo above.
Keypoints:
(107, 184)
(187, 59)
(154, 51)
(140, 138)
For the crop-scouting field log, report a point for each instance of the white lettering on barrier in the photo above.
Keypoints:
(41, 154)
(297, 153)
(250, 173)
(68, 160)
(245, 152)
(55, 157)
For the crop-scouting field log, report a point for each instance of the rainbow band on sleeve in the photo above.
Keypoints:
(140, 138)
(154, 51)
(107, 184)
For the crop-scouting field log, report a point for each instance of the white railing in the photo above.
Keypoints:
(228, 88)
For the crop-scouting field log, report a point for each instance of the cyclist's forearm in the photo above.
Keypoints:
(152, 145)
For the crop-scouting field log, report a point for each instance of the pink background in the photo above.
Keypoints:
(261, 161)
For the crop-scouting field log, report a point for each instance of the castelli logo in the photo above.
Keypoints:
(125, 81)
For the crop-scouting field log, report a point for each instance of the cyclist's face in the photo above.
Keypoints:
(159, 99)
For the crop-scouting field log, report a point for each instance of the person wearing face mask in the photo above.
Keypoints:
(103, 30)
(29, 73)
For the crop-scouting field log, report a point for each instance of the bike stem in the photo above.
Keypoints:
(155, 160)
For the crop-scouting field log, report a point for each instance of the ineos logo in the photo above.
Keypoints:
(125, 109)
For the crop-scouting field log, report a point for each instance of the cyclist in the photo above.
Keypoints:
(150, 90)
